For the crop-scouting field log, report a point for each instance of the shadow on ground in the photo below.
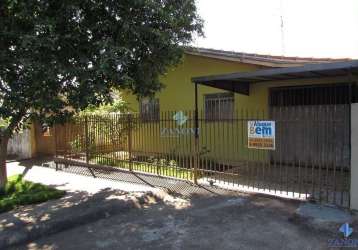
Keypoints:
(74, 209)
(170, 185)
(183, 217)
(199, 222)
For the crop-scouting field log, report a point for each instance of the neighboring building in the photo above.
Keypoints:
(22, 145)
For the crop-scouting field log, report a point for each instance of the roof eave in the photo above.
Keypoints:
(291, 73)
(247, 60)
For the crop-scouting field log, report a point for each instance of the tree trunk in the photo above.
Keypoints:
(3, 153)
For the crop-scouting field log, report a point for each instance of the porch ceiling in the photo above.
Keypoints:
(239, 82)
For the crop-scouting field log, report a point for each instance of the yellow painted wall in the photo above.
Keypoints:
(178, 93)
(226, 140)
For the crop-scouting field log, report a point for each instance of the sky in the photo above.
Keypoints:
(311, 28)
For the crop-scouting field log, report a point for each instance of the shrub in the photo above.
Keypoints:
(20, 192)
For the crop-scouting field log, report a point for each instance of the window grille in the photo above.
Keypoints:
(219, 106)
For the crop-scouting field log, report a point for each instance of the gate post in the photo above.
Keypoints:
(56, 146)
(196, 146)
(129, 124)
(354, 157)
(196, 160)
(86, 140)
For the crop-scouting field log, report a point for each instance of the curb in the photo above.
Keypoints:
(21, 234)
(317, 220)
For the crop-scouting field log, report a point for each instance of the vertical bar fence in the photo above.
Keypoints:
(311, 159)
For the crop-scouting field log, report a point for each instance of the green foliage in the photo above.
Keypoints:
(60, 57)
(115, 128)
(118, 106)
(78, 144)
(101, 130)
(154, 166)
(4, 124)
(19, 192)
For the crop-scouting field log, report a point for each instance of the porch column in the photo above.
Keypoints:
(354, 156)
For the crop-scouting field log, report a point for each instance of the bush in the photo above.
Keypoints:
(20, 192)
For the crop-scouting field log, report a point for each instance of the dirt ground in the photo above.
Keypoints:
(201, 222)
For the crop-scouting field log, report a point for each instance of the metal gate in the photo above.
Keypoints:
(324, 116)
(311, 159)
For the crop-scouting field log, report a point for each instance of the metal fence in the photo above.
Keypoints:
(310, 160)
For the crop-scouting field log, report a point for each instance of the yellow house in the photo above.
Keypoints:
(225, 104)
(203, 118)
(178, 93)
(223, 111)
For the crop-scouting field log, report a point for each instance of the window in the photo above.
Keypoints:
(219, 106)
(149, 109)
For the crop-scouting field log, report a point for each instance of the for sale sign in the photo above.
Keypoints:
(261, 134)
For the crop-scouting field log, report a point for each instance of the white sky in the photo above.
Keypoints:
(312, 28)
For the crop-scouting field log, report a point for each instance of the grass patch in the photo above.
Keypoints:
(20, 192)
(159, 169)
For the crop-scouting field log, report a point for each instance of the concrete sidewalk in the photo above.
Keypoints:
(33, 171)
(75, 178)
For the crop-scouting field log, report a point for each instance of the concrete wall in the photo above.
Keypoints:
(354, 156)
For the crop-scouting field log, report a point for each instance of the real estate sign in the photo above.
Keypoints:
(261, 134)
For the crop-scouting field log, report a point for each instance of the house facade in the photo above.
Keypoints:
(224, 106)
(178, 93)
(308, 100)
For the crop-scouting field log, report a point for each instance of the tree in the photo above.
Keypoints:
(117, 106)
(59, 57)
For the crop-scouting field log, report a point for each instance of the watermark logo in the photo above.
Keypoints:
(346, 230)
(180, 118)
